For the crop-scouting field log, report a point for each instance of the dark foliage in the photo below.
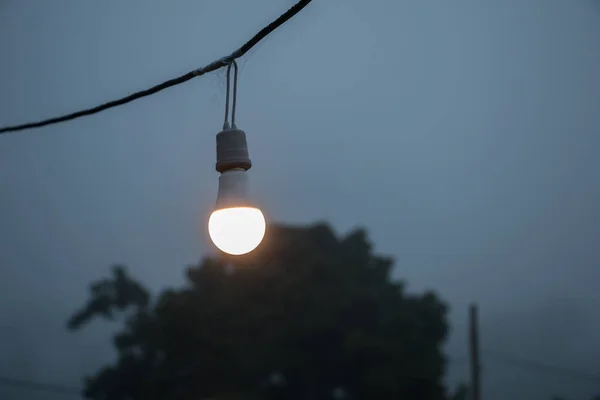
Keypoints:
(306, 316)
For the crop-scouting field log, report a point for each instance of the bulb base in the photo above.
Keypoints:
(232, 150)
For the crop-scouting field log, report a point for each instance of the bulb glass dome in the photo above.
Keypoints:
(237, 230)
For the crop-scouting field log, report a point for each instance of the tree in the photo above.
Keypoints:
(308, 315)
(461, 392)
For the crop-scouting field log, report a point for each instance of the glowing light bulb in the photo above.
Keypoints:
(236, 226)
(237, 230)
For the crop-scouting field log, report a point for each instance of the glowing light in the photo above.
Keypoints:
(237, 230)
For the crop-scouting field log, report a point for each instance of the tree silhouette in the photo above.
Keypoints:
(306, 316)
(461, 392)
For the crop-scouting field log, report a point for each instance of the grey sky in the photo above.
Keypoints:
(462, 134)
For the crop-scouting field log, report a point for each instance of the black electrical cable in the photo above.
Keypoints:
(213, 66)
(535, 365)
(493, 355)
(43, 387)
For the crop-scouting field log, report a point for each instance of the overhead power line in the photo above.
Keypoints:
(492, 355)
(43, 387)
(535, 365)
(213, 66)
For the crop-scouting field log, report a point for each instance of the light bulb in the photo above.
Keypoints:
(237, 230)
(236, 226)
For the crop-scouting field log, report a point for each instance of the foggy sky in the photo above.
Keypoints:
(462, 134)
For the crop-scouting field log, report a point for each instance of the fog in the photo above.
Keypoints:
(463, 135)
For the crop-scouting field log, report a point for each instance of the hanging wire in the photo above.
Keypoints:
(213, 66)
(39, 386)
(235, 75)
(536, 365)
(233, 104)
(511, 360)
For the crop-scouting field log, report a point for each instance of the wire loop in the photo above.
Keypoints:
(213, 66)
(234, 101)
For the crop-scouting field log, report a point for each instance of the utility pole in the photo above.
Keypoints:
(474, 349)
